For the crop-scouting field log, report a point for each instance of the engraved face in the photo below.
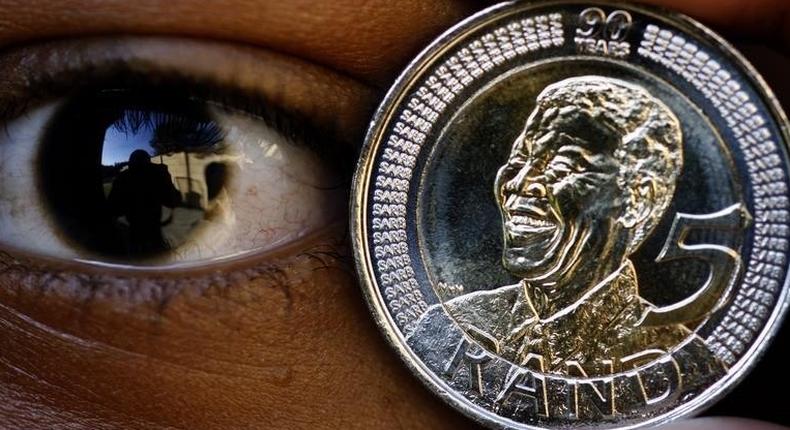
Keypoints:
(558, 197)
(587, 180)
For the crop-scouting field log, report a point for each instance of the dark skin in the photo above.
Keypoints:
(281, 340)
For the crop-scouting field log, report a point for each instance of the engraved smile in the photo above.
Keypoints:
(525, 226)
(530, 221)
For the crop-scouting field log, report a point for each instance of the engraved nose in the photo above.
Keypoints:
(535, 189)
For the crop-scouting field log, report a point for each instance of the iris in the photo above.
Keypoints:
(132, 177)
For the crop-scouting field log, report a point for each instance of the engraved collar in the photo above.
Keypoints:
(537, 301)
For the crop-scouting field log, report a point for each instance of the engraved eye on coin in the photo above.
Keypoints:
(576, 215)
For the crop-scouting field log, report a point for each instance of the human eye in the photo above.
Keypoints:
(145, 159)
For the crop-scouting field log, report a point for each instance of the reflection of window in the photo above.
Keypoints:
(188, 172)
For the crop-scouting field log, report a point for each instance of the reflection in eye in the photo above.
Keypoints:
(133, 178)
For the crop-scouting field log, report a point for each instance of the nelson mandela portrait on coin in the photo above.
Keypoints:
(586, 183)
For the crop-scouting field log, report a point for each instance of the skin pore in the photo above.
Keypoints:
(282, 340)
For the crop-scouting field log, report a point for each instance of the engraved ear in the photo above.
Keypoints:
(641, 201)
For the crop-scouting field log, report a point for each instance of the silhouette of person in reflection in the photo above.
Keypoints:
(138, 193)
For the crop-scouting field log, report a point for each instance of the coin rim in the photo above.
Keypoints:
(361, 180)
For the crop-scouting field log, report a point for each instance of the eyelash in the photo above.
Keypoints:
(298, 129)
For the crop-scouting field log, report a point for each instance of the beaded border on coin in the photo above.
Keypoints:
(512, 34)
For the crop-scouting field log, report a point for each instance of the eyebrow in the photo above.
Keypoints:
(578, 151)
(575, 149)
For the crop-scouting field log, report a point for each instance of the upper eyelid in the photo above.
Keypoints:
(124, 78)
(330, 123)
(337, 104)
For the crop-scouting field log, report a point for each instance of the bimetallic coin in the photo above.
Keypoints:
(575, 215)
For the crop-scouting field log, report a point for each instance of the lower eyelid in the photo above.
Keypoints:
(29, 281)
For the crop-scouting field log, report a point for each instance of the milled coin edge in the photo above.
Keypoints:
(360, 184)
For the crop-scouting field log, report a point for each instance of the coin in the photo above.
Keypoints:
(575, 215)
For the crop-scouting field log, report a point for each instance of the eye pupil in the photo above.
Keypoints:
(132, 178)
